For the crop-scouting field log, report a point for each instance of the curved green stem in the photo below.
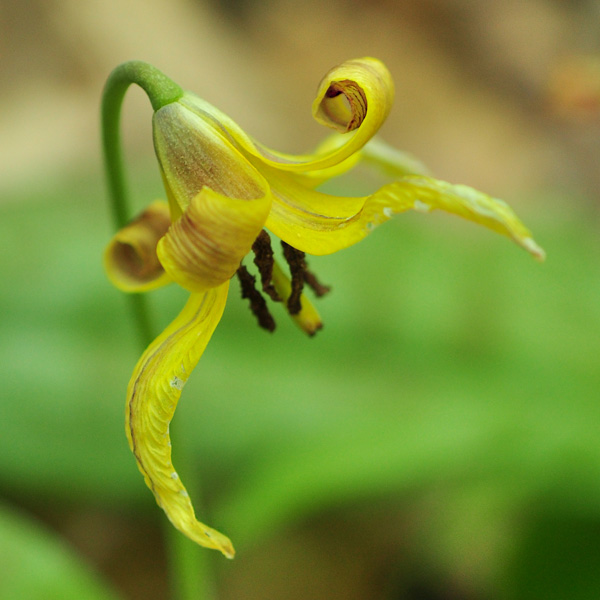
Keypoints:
(190, 565)
(161, 91)
(189, 569)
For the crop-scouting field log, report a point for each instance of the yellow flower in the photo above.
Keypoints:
(223, 188)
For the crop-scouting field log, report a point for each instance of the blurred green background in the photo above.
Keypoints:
(438, 440)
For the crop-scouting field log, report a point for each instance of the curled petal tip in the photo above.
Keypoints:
(228, 551)
(210, 538)
(536, 251)
(130, 258)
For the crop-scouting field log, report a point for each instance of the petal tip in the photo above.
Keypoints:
(532, 247)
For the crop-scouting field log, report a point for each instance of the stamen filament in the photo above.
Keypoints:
(314, 284)
(297, 264)
(263, 259)
(307, 318)
(258, 305)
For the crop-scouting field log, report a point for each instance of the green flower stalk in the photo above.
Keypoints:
(223, 190)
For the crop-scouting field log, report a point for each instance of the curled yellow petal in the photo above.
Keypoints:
(152, 396)
(204, 247)
(320, 224)
(130, 258)
(343, 105)
(353, 92)
(354, 97)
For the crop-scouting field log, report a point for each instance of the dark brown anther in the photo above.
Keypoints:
(295, 259)
(263, 259)
(258, 305)
(300, 275)
(314, 284)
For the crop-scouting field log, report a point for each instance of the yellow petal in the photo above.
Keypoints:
(130, 258)
(205, 246)
(320, 224)
(152, 397)
(355, 97)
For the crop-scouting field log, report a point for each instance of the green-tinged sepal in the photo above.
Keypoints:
(194, 153)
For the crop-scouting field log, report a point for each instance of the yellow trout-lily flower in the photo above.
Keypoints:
(223, 188)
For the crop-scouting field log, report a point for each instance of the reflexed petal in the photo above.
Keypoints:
(130, 258)
(355, 96)
(319, 224)
(205, 246)
(152, 397)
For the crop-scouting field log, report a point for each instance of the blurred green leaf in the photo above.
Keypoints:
(557, 557)
(36, 565)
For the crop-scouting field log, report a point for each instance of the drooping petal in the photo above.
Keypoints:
(320, 224)
(130, 258)
(205, 246)
(152, 396)
(354, 97)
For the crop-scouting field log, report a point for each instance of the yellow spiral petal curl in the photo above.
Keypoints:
(354, 97)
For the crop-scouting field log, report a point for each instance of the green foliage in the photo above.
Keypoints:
(38, 566)
(451, 367)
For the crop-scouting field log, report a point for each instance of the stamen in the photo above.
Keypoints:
(300, 275)
(314, 284)
(295, 259)
(258, 305)
(279, 287)
(308, 318)
(263, 259)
